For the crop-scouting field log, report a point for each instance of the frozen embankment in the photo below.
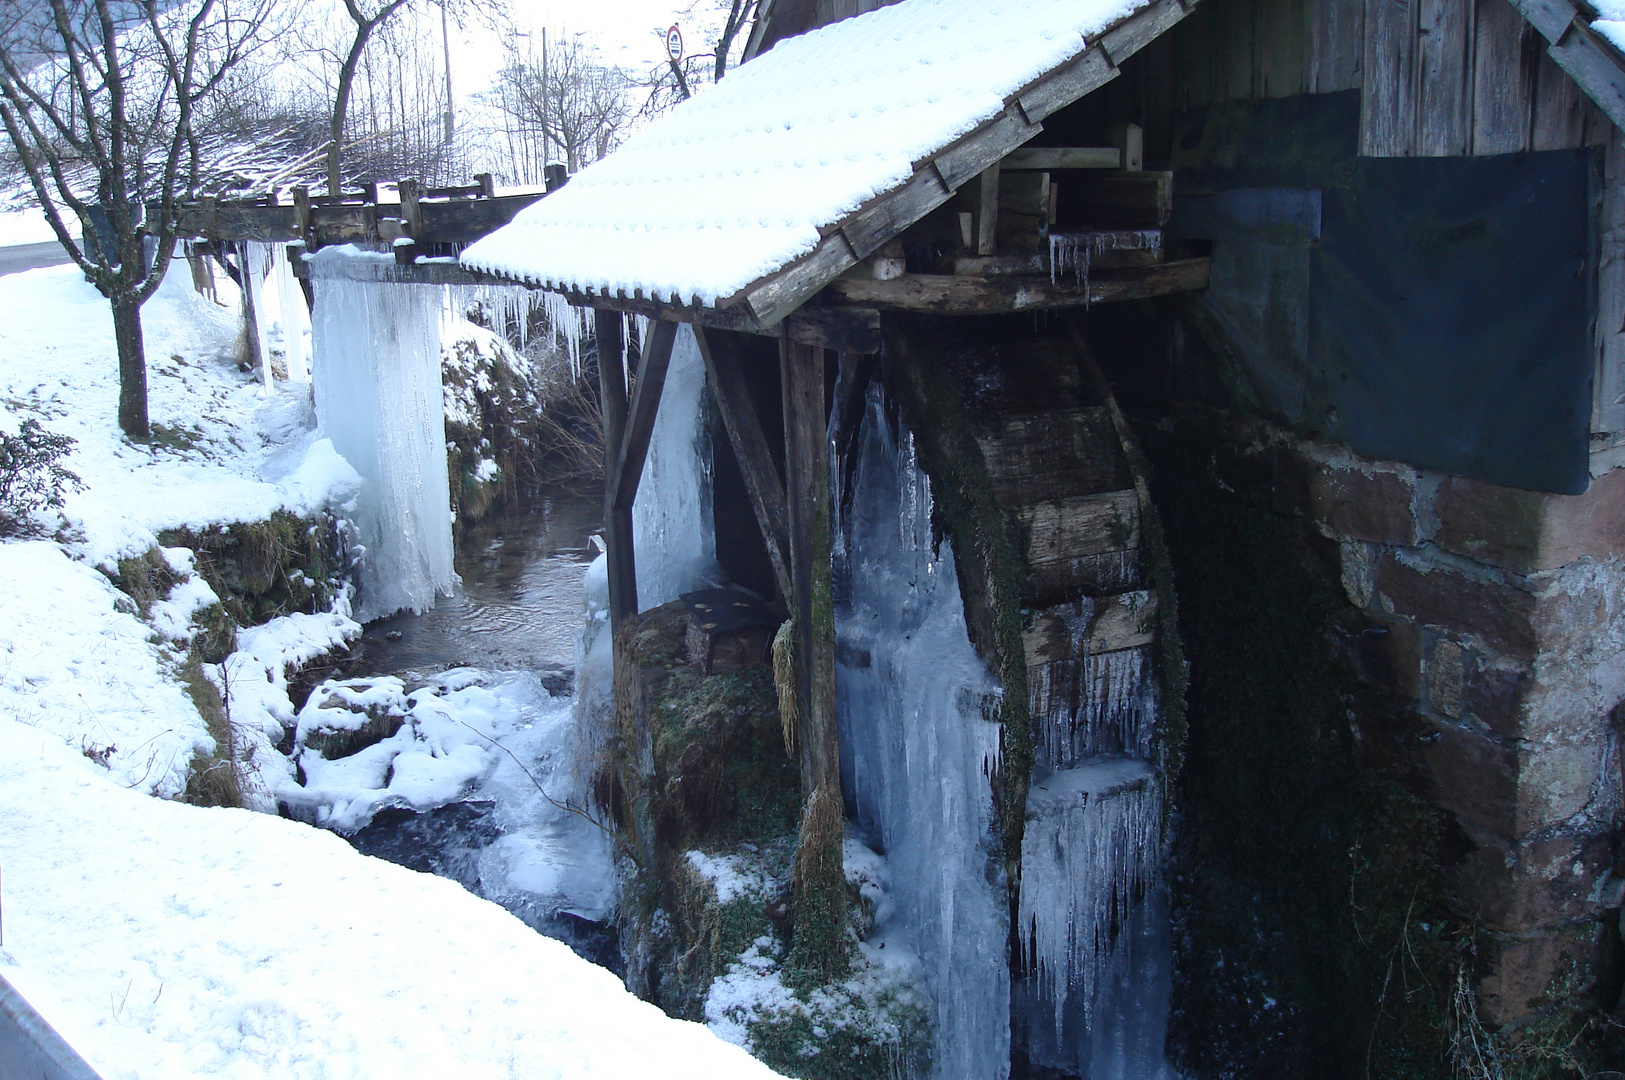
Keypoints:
(172, 941)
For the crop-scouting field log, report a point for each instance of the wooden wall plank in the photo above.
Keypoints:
(1234, 43)
(1283, 48)
(1194, 51)
(1388, 88)
(1608, 413)
(1504, 56)
(1559, 112)
(1444, 77)
(1336, 45)
(609, 333)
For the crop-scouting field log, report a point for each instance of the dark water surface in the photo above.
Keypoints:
(519, 606)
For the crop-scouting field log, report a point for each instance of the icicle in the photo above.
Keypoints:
(673, 542)
(917, 747)
(1089, 854)
(1076, 251)
(378, 397)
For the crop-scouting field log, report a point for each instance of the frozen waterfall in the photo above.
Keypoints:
(672, 537)
(917, 749)
(378, 397)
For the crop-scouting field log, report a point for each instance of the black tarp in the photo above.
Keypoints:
(1436, 311)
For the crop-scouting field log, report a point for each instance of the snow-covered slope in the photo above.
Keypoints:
(168, 941)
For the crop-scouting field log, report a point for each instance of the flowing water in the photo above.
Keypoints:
(519, 606)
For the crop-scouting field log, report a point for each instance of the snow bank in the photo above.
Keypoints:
(736, 182)
(225, 451)
(169, 941)
(78, 665)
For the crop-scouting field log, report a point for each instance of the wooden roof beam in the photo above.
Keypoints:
(954, 294)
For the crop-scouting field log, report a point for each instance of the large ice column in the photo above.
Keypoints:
(378, 397)
(673, 540)
(917, 748)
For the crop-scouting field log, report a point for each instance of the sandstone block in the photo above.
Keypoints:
(1374, 507)
(1522, 974)
(1502, 616)
(1510, 886)
(1390, 657)
(1526, 531)
(1475, 777)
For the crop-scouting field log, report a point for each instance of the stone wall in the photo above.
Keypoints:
(1499, 615)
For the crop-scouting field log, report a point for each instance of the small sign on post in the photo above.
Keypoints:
(674, 44)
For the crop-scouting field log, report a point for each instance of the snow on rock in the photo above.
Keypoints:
(77, 664)
(736, 182)
(166, 940)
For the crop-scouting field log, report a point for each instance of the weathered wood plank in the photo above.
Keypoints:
(1337, 32)
(1283, 48)
(1559, 113)
(1123, 199)
(1195, 52)
(1066, 84)
(1050, 158)
(1388, 86)
(987, 211)
(1594, 65)
(1237, 42)
(820, 887)
(1023, 214)
(1140, 29)
(1608, 413)
(781, 293)
(1551, 17)
(763, 486)
(1060, 531)
(1444, 74)
(640, 420)
(853, 330)
(1067, 632)
(969, 157)
(609, 332)
(947, 294)
(1503, 68)
(868, 231)
(1044, 455)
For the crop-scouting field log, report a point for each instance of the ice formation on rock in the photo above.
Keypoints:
(378, 397)
(673, 541)
(917, 748)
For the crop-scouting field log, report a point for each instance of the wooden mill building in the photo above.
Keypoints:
(1353, 271)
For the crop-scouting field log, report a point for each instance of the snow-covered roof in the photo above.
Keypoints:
(757, 173)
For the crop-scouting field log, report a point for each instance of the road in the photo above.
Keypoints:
(29, 256)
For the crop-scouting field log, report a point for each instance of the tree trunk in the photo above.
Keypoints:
(132, 368)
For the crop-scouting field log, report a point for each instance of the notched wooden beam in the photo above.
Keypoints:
(945, 294)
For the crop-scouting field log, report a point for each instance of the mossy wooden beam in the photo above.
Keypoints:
(819, 882)
(623, 579)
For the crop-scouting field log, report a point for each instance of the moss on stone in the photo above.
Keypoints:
(263, 569)
(1311, 936)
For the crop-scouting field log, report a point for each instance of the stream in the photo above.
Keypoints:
(502, 651)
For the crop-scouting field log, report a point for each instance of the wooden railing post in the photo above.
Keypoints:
(623, 578)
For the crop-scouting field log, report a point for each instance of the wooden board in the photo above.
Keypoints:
(1036, 456)
(1336, 45)
(1444, 78)
(1049, 158)
(1388, 88)
(1502, 68)
(1061, 530)
(947, 294)
(1123, 621)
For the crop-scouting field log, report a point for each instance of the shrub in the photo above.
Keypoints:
(32, 476)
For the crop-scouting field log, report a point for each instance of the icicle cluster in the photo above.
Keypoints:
(1090, 850)
(514, 305)
(1096, 704)
(917, 747)
(1075, 251)
(378, 397)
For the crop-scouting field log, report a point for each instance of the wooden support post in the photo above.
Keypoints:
(819, 884)
(301, 218)
(251, 318)
(640, 420)
(723, 368)
(987, 211)
(487, 184)
(623, 577)
(1130, 142)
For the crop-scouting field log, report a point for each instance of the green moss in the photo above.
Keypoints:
(838, 1035)
(263, 569)
(1313, 939)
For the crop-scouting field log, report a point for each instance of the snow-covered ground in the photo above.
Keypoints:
(167, 940)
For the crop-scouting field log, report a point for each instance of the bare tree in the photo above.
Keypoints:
(100, 98)
(576, 101)
(367, 17)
